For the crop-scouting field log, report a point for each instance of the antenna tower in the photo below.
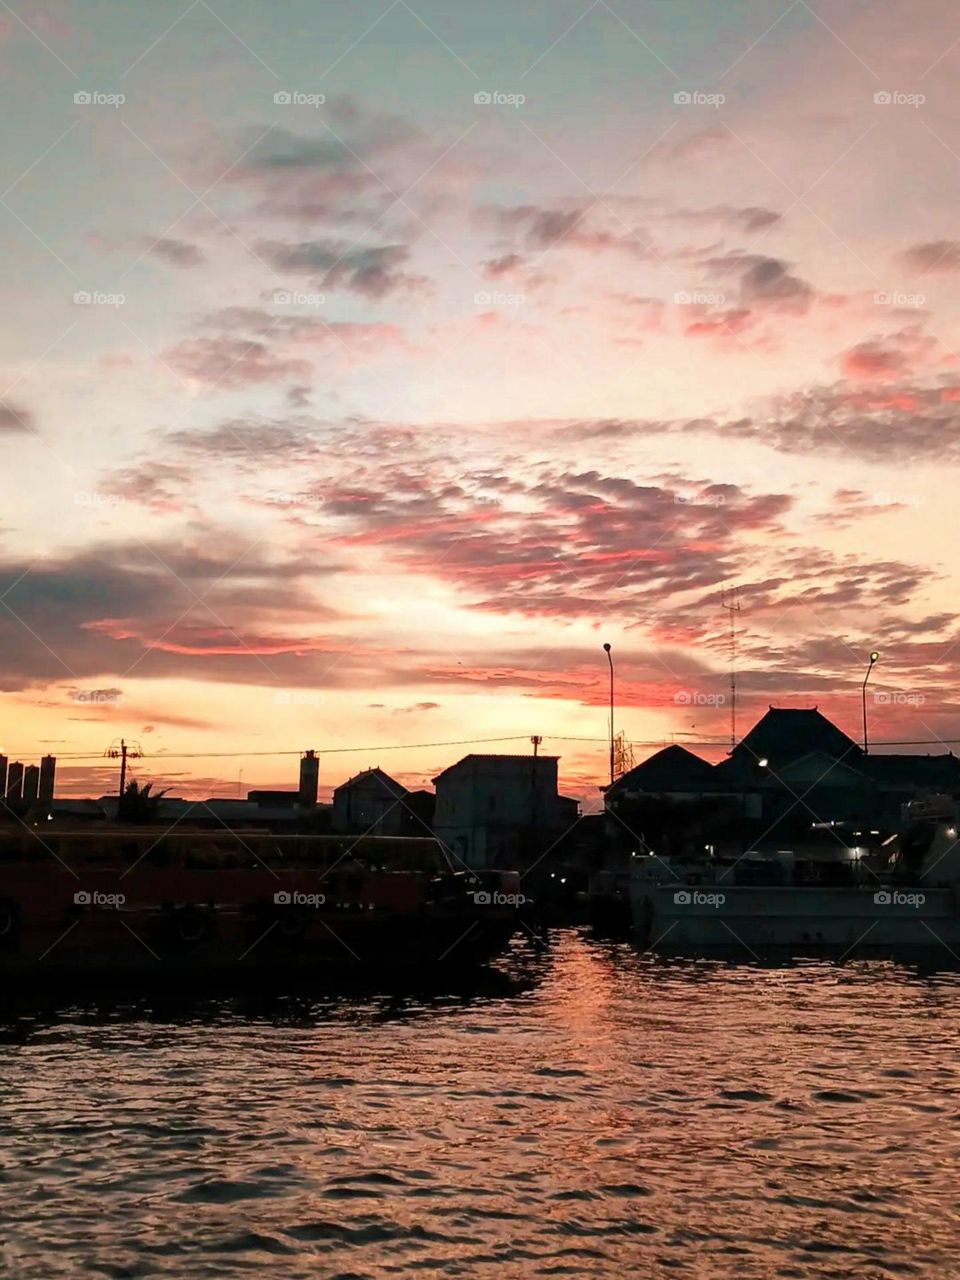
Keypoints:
(730, 601)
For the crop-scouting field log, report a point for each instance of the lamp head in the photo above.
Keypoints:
(606, 648)
(873, 657)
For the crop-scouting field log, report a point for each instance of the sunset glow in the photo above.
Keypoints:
(364, 422)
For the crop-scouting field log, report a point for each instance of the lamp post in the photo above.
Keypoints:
(610, 660)
(873, 658)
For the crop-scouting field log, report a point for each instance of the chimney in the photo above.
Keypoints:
(48, 773)
(309, 780)
(3, 776)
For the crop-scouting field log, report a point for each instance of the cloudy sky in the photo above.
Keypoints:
(368, 365)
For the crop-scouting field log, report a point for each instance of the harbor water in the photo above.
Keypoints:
(584, 1111)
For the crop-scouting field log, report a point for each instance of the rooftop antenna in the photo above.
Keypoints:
(730, 600)
(623, 759)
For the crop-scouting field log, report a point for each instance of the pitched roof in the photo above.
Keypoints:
(786, 733)
(668, 770)
(375, 774)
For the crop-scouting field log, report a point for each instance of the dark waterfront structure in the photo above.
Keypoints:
(677, 801)
(31, 784)
(371, 801)
(500, 810)
(48, 777)
(14, 788)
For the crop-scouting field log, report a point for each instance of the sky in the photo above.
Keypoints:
(367, 366)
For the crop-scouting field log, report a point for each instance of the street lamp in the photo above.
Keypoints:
(606, 648)
(873, 658)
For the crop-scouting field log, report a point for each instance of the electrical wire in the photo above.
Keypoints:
(460, 742)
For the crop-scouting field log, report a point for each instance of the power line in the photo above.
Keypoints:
(713, 744)
(328, 751)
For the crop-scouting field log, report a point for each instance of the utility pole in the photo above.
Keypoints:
(730, 601)
(119, 750)
(534, 824)
(613, 767)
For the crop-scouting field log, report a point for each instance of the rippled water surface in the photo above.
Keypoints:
(599, 1114)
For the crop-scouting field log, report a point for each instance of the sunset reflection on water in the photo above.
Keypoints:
(598, 1114)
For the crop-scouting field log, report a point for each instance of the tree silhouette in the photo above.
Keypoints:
(139, 804)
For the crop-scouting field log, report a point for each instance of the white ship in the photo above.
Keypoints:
(831, 894)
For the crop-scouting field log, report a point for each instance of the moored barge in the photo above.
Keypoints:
(130, 902)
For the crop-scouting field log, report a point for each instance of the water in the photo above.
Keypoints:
(600, 1114)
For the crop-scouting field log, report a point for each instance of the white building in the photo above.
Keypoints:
(498, 811)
